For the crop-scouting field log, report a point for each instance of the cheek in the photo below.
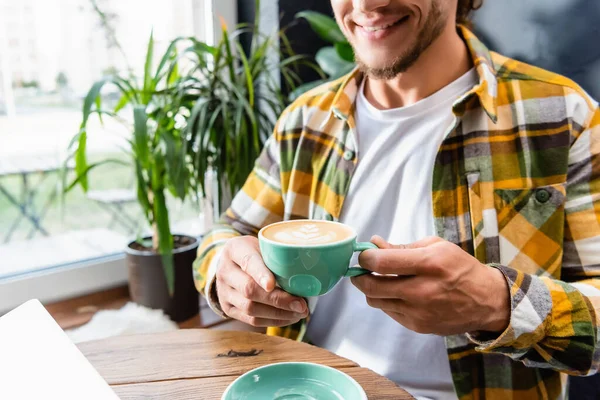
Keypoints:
(341, 8)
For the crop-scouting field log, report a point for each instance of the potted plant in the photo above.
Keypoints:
(240, 96)
(160, 266)
(199, 121)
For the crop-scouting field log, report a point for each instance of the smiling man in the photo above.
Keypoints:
(480, 177)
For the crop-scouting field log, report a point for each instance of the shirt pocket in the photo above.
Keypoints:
(522, 228)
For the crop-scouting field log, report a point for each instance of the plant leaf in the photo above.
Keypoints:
(99, 107)
(174, 165)
(331, 63)
(90, 99)
(89, 168)
(229, 55)
(345, 51)
(129, 87)
(202, 47)
(161, 219)
(324, 26)
(140, 128)
(300, 90)
(81, 166)
(169, 54)
(142, 193)
(148, 81)
(123, 101)
(248, 73)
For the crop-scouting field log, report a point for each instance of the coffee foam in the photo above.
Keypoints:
(307, 232)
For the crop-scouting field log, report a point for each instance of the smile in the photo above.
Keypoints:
(383, 27)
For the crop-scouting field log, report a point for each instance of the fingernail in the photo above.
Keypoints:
(264, 281)
(297, 307)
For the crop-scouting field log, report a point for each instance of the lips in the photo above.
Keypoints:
(375, 27)
(375, 31)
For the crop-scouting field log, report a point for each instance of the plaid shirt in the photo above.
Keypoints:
(516, 183)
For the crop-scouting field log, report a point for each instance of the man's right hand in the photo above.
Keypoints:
(246, 288)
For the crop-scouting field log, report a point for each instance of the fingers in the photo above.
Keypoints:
(383, 244)
(246, 254)
(394, 261)
(259, 310)
(382, 287)
(403, 314)
(236, 306)
(257, 322)
(246, 288)
(232, 276)
(387, 305)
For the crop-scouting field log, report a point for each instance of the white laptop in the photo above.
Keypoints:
(38, 361)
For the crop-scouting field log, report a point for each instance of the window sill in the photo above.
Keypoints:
(78, 311)
(61, 283)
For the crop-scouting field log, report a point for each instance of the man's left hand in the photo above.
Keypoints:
(433, 286)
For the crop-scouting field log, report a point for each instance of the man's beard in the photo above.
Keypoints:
(433, 28)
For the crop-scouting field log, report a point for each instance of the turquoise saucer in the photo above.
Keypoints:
(294, 381)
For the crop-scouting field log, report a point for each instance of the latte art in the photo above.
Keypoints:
(307, 232)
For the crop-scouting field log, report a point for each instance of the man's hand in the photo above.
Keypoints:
(435, 287)
(246, 288)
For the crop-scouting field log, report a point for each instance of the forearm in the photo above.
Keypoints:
(553, 324)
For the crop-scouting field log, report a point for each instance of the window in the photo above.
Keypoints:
(51, 52)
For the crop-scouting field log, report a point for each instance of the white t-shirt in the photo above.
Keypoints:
(390, 195)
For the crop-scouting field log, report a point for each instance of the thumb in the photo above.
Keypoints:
(383, 244)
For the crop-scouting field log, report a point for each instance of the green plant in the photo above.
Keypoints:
(157, 148)
(240, 98)
(336, 60)
(202, 108)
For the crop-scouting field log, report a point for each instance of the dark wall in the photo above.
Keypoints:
(559, 35)
(246, 14)
(303, 39)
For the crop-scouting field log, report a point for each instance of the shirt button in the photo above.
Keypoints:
(338, 114)
(348, 155)
(542, 195)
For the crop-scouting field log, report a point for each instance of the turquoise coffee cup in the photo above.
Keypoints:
(311, 269)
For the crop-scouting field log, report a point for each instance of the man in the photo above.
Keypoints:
(481, 177)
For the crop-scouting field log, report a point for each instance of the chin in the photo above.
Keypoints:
(380, 57)
(377, 62)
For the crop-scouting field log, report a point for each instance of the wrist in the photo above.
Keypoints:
(498, 318)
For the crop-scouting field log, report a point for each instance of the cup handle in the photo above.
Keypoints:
(358, 271)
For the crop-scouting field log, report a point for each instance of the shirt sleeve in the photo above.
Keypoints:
(257, 204)
(556, 323)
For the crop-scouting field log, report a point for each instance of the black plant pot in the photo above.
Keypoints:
(148, 286)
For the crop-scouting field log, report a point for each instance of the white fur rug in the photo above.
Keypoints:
(131, 319)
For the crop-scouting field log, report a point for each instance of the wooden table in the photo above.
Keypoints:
(186, 364)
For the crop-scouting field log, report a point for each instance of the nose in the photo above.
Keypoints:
(367, 6)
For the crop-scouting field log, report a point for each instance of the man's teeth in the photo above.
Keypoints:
(378, 28)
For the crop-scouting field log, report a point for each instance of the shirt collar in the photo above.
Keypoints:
(486, 90)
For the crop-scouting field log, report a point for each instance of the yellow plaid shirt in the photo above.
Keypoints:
(516, 183)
